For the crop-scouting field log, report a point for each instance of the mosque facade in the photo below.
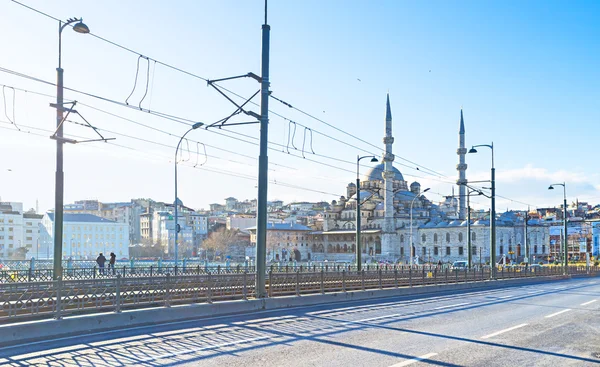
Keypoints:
(438, 231)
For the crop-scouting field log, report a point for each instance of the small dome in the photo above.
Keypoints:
(376, 173)
(482, 222)
(430, 224)
(455, 223)
(442, 224)
(415, 184)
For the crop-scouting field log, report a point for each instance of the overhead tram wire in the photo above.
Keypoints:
(221, 133)
(186, 123)
(431, 172)
(204, 168)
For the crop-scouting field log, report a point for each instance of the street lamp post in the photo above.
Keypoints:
(565, 236)
(59, 183)
(411, 244)
(469, 249)
(358, 243)
(492, 211)
(194, 127)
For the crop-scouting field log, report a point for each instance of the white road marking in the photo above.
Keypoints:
(456, 305)
(589, 303)
(558, 313)
(509, 296)
(414, 360)
(503, 331)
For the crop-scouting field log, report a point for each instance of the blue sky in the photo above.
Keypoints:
(525, 73)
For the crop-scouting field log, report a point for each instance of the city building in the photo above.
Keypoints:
(84, 237)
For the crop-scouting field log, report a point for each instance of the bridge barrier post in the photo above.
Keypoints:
(297, 283)
(151, 270)
(435, 276)
(270, 290)
(209, 288)
(94, 273)
(409, 277)
(118, 294)
(380, 280)
(344, 280)
(322, 282)
(446, 275)
(167, 290)
(423, 277)
(363, 279)
(466, 275)
(245, 289)
(396, 277)
(58, 285)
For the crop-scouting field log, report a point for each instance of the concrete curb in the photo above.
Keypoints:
(75, 325)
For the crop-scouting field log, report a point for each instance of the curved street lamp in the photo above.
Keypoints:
(80, 27)
(410, 252)
(565, 249)
(358, 243)
(492, 211)
(194, 127)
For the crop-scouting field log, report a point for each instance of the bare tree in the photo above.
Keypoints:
(220, 243)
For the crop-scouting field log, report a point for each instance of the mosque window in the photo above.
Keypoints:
(435, 238)
(423, 237)
(448, 251)
(460, 237)
(461, 251)
(436, 251)
(473, 236)
(401, 238)
(448, 237)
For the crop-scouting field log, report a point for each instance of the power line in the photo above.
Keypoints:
(432, 172)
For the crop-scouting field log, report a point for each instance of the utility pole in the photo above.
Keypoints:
(526, 240)
(263, 165)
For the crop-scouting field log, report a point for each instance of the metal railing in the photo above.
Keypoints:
(20, 301)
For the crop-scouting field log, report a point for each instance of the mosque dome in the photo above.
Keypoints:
(376, 173)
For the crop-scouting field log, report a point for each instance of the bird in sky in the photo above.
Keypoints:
(359, 80)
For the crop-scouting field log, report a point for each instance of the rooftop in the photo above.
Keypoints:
(81, 218)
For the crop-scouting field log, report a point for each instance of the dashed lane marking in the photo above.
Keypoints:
(558, 313)
(414, 360)
(503, 331)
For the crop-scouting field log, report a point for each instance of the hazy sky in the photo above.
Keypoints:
(526, 74)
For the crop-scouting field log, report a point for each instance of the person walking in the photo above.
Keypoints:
(100, 260)
(111, 262)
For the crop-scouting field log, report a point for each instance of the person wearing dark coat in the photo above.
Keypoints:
(111, 262)
(100, 261)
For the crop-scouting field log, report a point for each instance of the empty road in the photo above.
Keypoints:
(549, 324)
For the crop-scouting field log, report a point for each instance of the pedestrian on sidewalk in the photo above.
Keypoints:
(100, 260)
(111, 262)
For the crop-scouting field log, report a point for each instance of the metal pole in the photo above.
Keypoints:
(470, 257)
(358, 243)
(59, 179)
(263, 166)
(410, 243)
(526, 240)
(175, 203)
(493, 221)
(566, 236)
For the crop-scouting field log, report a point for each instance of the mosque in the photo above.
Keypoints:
(438, 231)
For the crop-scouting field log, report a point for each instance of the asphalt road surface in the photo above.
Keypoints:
(549, 324)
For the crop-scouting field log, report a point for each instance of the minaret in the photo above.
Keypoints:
(461, 167)
(389, 245)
